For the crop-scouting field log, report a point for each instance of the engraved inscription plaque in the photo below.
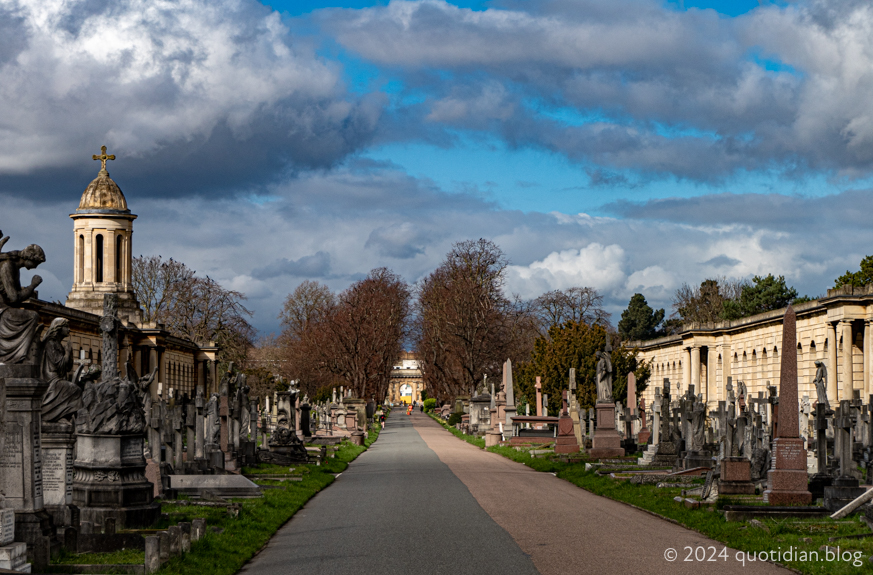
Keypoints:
(11, 464)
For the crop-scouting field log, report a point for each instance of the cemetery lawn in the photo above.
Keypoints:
(772, 534)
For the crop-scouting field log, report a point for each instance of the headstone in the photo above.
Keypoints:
(787, 480)
(566, 441)
(509, 409)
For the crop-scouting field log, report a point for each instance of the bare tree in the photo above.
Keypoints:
(194, 308)
(705, 304)
(580, 304)
(303, 307)
(360, 336)
(466, 327)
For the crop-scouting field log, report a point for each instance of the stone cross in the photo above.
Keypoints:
(773, 400)
(843, 422)
(177, 436)
(821, 439)
(103, 157)
(632, 392)
(109, 327)
(573, 379)
(199, 404)
(723, 435)
(656, 417)
(538, 387)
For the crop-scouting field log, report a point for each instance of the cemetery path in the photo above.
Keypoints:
(566, 529)
(397, 509)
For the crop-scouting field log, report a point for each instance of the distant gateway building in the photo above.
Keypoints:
(406, 382)
(103, 264)
(835, 330)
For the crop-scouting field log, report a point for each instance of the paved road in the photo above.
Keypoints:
(396, 509)
(421, 501)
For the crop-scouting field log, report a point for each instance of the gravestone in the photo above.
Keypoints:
(509, 408)
(566, 441)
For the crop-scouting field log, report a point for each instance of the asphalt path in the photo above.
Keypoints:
(566, 529)
(421, 501)
(396, 509)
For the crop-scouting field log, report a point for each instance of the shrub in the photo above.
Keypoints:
(429, 404)
(455, 418)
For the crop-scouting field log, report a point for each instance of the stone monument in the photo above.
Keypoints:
(110, 466)
(607, 441)
(21, 390)
(787, 482)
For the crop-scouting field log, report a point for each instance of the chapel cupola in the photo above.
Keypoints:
(103, 261)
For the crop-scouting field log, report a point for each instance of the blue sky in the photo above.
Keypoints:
(625, 145)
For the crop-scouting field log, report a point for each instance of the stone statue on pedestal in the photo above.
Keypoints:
(18, 327)
(604, 375)
(821, 384)
(63, 397)
(213, 423)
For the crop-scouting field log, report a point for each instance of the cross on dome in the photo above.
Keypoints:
(103, 157)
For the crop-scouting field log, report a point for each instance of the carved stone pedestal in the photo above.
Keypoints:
(21, 462)
(787, 480)
(110, 481)
(607, 441)
(736, 477)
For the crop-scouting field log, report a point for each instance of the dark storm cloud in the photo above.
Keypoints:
(314, 266)
(193, 98)
(844, 211)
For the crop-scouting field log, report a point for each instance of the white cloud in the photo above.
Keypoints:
(594, 265)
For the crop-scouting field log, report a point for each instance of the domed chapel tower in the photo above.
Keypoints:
(103, 229)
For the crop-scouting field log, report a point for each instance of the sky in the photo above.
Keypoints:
(626, 145)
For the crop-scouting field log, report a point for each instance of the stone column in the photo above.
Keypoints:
(833, 394)
(695, 369)
(848, 369)
(686, 367)
(868, 360)
(711, 386)
(727, 358)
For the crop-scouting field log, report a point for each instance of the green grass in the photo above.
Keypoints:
(225, 553)
(123, 557)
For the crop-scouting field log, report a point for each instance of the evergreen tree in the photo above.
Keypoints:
(573, 344)
(639, 321)
(762, 295)
(859, 278)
